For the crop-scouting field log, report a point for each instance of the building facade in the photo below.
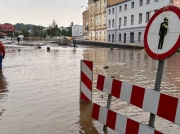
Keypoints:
(127, 20)
(176, 3)
(77, 31)
(86, 25)
(97, 20)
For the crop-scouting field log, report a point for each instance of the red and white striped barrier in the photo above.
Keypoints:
(165, 106)
(86, 81)
(119, 123)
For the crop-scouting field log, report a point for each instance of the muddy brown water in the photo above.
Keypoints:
(39, 90)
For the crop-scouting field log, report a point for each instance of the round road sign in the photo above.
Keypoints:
(162, 34)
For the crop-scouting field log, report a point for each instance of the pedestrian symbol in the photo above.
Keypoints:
(162, 32)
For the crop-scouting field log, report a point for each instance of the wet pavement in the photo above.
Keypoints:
(39, 90)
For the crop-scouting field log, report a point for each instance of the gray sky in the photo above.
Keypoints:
(42, 12)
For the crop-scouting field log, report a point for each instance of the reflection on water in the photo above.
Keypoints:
(3, 89)
(3, 83)
(43, 88)
(85, 120)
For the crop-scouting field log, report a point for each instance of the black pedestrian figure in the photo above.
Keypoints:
(18, 39)
(163, 32)
(74, 43)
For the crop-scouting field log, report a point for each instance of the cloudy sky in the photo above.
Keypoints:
(42, 12)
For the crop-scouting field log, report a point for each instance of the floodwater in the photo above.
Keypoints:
(39, 90)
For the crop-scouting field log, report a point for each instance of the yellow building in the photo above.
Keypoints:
(86, 25)
(112, 2)
(97, 20)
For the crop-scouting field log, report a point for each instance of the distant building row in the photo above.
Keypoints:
(120, 20)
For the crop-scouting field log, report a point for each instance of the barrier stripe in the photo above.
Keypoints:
(119, 123)
(151, 101)
(165, 106)
(86, 91)
(86, 80)
(84, 97)
(137, 96)
(89, 64)
(126, 90)
(177, 120)
(87, 69)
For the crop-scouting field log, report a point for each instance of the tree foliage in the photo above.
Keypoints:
(30, 30)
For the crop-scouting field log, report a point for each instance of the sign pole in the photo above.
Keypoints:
(157, 88)
(108, 106)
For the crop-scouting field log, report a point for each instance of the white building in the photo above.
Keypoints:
(127, 20)
(77, 31)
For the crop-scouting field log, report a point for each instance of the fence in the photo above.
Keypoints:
(152, 101)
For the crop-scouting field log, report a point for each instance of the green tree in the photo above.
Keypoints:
(25, 32)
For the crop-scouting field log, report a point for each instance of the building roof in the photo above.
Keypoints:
(7, 27)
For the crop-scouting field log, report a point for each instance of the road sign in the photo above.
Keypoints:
(162, 34)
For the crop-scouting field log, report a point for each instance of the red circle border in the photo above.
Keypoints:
(153, 55)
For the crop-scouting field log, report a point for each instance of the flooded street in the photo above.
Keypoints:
(39, 90)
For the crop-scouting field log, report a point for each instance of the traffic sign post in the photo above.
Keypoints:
(162, 40)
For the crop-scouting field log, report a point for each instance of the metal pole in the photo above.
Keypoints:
(108, 106)
(157, 88)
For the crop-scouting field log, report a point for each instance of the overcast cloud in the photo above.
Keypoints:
(42, 12)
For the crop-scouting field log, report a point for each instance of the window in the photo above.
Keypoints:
(104, 35)
(119, 37)
(91, 22)
(96, 7)
(96, 35)
(109, 38)
(132, 19)
(113, 23)
(119, 23)
(147, 1)
(139, 37)
(104, 18)
(113, 11)
(109, 23)
(100, 5)
(156, 0)
(112, 37)
(125, 21)
(140, 2)
(132, 4)
(155, 10)
(120, 8)
(147, 16)
(100, 20)
(109, 11)
(140, 18)
(96, 20)
(125, 7)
